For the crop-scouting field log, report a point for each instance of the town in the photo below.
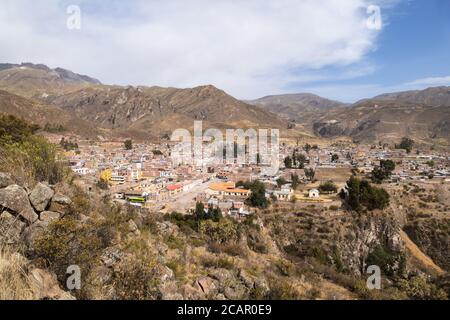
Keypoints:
(145, 175)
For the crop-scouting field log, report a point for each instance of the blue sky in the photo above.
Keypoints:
(412, 52)
(249, 48)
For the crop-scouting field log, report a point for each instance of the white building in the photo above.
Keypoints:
(314, 193)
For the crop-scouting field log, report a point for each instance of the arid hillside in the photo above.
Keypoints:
(44, 115)
(159, 111)
(296, 107)
(387, 121)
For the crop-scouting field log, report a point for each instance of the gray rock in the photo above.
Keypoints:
(5, 180)
(207, 285)
(31, 233)
(60, 203)
(15, 199)
(40, 196)
(49, 216)
(10, 229)
(44, 285)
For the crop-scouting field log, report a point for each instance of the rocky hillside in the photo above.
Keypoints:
(386, 121)
(137, 112)
(30, 80)
(50, 221)
(44, 114)
(281, 253)
(156, 111)
(301, 108)
(437, 96)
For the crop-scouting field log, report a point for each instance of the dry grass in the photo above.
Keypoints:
(13, 280)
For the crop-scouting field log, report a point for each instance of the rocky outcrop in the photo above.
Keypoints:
(44, 286)
(24, 217)
(372, 232)
(40, 197)
(14, 198)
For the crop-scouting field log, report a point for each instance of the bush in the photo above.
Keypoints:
(33, 159)
(328, 187)
(134, 280)
(281, 289)
(285, 267)
(231, 249)
(223, 231)
(13, 130)
(419, 288)
(223, 262)
(390, 262)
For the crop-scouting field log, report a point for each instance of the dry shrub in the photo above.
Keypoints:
(13, 280)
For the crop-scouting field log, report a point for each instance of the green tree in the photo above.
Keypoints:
(214, 214)
(199, 213)
(406, 144)
(128, 144)
(258, 196)
(307, 148)
(288, 162)
(383, 172)
(360, 194)
(281, 182)
(334, 158)
(310, 174)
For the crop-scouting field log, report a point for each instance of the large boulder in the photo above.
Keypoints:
(44, 286)
(10, 229)
(5, 180)
(60, 203)
(15, 198)
(40, 196)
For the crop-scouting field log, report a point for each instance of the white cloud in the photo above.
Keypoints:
(432, 81)
(249, 48)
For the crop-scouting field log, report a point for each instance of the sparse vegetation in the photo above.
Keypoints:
(360, 195)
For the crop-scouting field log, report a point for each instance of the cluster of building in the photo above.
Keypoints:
(147, 176)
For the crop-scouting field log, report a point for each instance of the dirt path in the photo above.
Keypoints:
(419, 256)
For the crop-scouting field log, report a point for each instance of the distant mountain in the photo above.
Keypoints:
(59, 96)
(31, 80)
(436, 96)
(296, 107)
(133, 111)
(43, 114)
(386, 121)
(156, 111)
